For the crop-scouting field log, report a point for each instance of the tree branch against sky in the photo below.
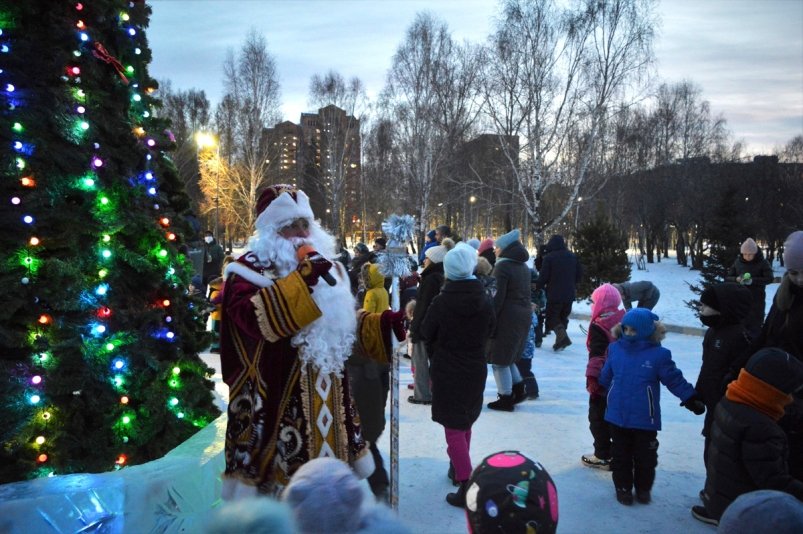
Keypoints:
(557, 73)
(251, 105)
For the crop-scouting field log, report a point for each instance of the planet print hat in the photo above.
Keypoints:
(511, 493)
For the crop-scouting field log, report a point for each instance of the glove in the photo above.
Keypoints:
(313, 266)
(593, 387)
(694, 404)
(397, 324)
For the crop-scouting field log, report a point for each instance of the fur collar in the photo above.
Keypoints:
(249, 270)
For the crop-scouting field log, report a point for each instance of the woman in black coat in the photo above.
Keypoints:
(428, 289)
(513, 316)
(784, 329)
(456, 329)
(754, 272)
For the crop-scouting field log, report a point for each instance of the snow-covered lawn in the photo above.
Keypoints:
(554, 430)
(172, 494)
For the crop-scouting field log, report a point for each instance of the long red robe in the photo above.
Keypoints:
(280, 415)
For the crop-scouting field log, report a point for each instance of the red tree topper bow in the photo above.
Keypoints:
(102, 54)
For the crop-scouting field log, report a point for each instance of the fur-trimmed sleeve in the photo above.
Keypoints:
(284, 308)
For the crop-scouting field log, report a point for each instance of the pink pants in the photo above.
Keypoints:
(458, 443)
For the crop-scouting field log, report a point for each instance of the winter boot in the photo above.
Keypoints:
(561, 338)
(450, 474)
(591, 460)
(458, 498)
(519, 393)
(504, 403)
(531, 388)
(701, 514)
(624, 496)
(643, 496)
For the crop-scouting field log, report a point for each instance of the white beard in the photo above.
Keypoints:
(326, 342)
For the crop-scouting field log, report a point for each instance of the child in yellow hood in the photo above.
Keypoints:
(376, 297)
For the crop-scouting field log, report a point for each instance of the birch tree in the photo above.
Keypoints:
(249, 106)
(428, 97)
(553, 78)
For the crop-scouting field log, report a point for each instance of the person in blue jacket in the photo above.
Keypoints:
(636, 367)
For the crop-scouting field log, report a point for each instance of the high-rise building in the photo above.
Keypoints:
(285, 165)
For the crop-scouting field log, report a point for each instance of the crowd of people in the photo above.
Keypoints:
(305, 337)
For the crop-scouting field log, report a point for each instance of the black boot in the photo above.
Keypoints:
(561, 338)
(519, 393)
(450, 474)
(458, 498)
(504, 403)
(531, 388)
(624, 496)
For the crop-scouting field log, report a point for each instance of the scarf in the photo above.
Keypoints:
(754, 392)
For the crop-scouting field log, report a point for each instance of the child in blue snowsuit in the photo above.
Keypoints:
(636, 367)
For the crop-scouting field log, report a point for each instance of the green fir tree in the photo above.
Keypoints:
(602, 250)
(99, 338)
(724, 236)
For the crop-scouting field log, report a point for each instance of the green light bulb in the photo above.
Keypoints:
(126, 419)
(176, 370)
(17, 127)
(173, 401)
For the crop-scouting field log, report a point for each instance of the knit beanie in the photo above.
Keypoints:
(459, 263)
(485, 244)
(508, 239)
(763, 511)
(325, 496)
(431, 235)
(642, 321)
(749, 246)
(777, 368)
(709, 298)
(793, 251)
(605, 298)
(257, 515)
(509, 492)
(474, 243)
(438, 252)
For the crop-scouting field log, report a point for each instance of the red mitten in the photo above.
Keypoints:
(312, 266)
(397, 324)
(593, 387)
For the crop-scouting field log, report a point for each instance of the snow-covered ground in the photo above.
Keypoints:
(174, 493)
(554, 431)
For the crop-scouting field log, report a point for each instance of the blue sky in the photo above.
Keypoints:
(746, 55)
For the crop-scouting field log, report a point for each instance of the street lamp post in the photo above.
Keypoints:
(204, 141)
(472, 199)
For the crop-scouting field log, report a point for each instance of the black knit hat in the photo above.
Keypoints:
(777, 368)
(709, 298)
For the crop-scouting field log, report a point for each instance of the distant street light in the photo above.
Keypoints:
(208, 141)
(577, 212)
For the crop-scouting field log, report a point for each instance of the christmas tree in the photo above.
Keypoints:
(602, 250)
(99, 337)
(724, 235)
